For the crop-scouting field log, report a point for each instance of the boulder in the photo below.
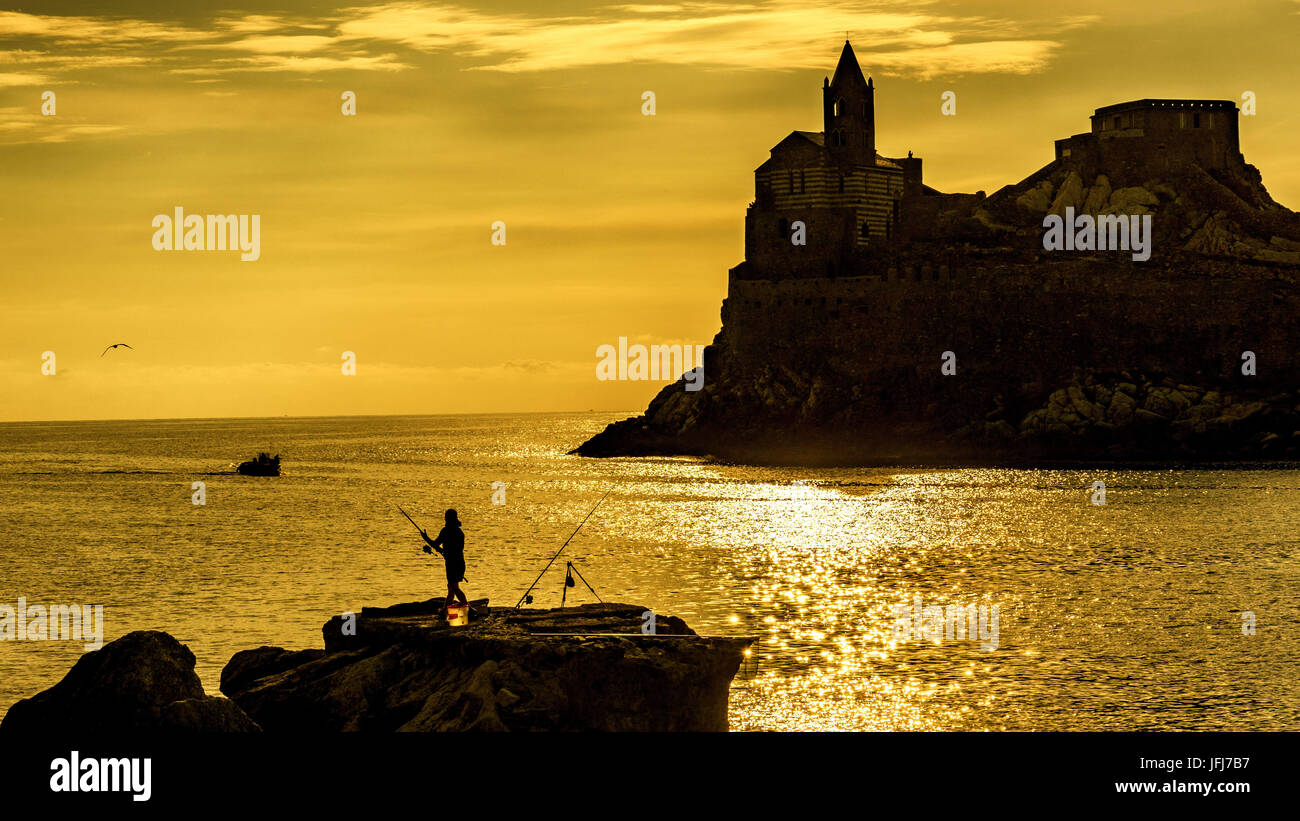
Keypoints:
(247, 666)
(1148, 417)
(1098, 195)
(1000, 429)
(1070, 195)
(143, 681)
(1133, 200)
(1243, 410)
(1121, 408)
(209, 714)
(1037, 199)
(1166, 402)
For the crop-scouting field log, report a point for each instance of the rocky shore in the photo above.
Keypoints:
(782, 416)
(402, 668)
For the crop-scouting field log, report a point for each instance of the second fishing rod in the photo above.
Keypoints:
(527, 598)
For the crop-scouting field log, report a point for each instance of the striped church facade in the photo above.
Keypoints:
(824, 199)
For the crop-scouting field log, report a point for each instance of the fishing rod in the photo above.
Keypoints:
(412, 521)
(561, 550)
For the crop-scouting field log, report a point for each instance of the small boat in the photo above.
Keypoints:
(263, 465)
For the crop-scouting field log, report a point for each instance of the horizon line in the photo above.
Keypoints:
(322, 416)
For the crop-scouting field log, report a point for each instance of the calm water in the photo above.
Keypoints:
(1126, 616)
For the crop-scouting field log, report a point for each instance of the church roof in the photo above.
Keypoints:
(818, 138)
(815, 137)
(848, 69)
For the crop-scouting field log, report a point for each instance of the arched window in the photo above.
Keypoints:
(839, 107)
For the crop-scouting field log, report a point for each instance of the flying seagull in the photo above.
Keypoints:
(118, 345)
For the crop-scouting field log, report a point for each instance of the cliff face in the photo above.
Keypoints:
(1190, 355)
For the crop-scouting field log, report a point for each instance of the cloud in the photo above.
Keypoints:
(1007, 57)
(253, 23)
(777, 35)
(22, 79)
(278, 44)
(305, 65)
(97, 29)
(68, 61)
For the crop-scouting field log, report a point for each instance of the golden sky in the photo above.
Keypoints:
(375, 229)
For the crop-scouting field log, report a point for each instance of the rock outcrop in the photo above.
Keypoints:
(1222, 212)
(144, 681)
(403, 669)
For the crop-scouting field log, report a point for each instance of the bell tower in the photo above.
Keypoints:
(849, 112)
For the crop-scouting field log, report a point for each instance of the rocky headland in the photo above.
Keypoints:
(1056, 356)
(402, 668)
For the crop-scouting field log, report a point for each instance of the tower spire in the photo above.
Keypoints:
(849, 112)
(848, 70)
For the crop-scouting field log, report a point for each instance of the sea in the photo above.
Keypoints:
(1172, 606)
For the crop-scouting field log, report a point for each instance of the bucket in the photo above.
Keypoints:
(458, 615)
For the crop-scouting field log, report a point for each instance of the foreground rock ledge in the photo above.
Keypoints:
(144, 681)
(402, 668)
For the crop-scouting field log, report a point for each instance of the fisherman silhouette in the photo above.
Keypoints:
(450, 544)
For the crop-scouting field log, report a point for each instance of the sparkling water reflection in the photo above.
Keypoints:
(1126, 616)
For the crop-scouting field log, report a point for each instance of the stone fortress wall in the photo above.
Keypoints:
(1025, 321)
(1157, 135)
